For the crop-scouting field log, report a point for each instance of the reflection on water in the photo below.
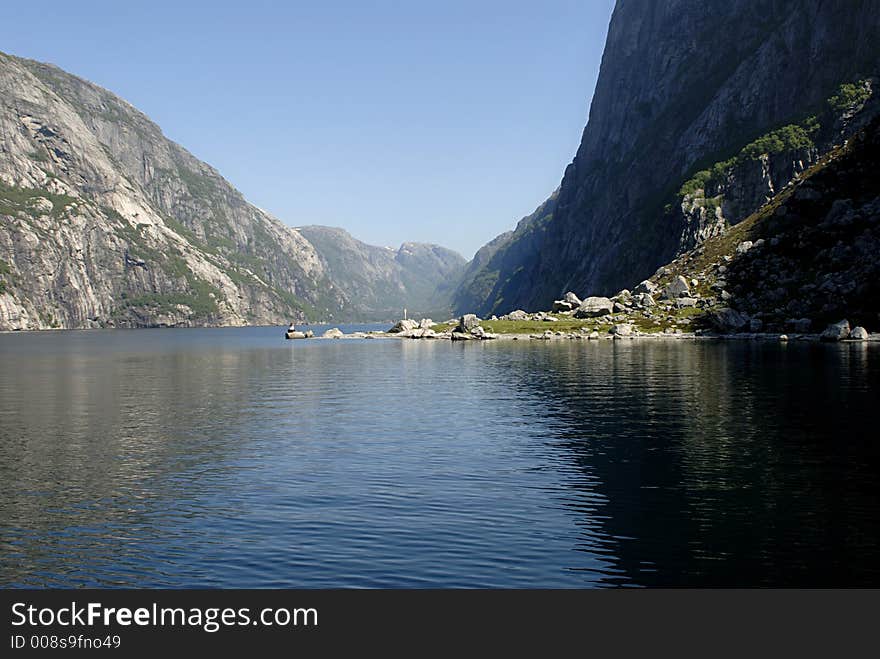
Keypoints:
(233, 458)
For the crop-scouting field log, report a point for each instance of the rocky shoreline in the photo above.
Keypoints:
(470, 328)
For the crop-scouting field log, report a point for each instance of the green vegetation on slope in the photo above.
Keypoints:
(793, 137)
(7, 272)
(14, 199)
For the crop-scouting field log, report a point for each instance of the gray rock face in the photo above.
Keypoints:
(836, 331)
(593, 307)
(728, 320)
(675, 91)
(678, 287)
(859, 334)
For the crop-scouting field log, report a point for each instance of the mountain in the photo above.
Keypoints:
(380, 282)
(735, 86)
(807, 259)
(104, 222)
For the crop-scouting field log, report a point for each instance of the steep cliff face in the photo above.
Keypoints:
(683, 84)
(378, 283)
(104, 222)
(807, 258)
(716, 198)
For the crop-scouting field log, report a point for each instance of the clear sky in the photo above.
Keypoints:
(430, 120)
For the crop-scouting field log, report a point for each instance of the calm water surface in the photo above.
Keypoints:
(229, 457)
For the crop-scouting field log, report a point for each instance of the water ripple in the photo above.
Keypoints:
(230, 458)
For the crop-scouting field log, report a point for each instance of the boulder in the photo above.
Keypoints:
(41, 205)
(562, 305)
(519, 314)
(309, 334)
(594, 335)
(334, 333)
(294, 335)
(686, 302)
(678, 287)
(572, 299)
(744, 247)
(593, 307)
(859, 334)
(624, 297)
(467, 322)
(463, 336)
(727, 320)
(836, 331)
(646, 286)
(403, 326)
(426, 323)
(646, 300)
(622, 329)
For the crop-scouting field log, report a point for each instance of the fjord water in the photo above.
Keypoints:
(231, 458)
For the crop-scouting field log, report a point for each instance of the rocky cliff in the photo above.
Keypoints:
(807, 258)
(684, 85)
(104, 222)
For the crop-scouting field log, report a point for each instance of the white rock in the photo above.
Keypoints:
(836, 331)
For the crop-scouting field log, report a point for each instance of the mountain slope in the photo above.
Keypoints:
(381, 282)
(807, 258)
(683, 84)
(104, 222)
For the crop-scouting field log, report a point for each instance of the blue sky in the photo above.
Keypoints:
(442, 121)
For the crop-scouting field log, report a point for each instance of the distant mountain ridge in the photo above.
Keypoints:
(380, 282)
(104, 222)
